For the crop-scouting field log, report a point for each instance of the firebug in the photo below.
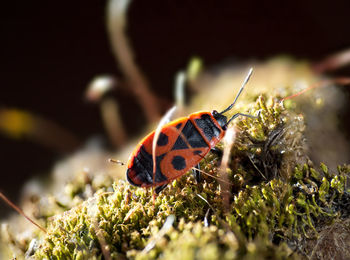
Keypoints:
(180, 146)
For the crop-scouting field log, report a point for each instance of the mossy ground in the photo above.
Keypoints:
(279, 202)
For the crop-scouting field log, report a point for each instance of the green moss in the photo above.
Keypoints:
(194, 241)
(274, 211)
(277, 202)
(266, 213)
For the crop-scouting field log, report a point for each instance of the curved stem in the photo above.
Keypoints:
(116, 25)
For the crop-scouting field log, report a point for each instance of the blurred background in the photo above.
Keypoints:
(50, 51)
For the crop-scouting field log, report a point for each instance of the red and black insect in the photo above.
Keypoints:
(181, 145)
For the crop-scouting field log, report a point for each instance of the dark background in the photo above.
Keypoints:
(51, 50)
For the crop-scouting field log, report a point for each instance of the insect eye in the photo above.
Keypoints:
(214, 112)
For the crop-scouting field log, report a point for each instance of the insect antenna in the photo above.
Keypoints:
(240, 91)
(116, 161)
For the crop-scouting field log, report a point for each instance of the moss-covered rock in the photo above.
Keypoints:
(279, 204)
(262, 220)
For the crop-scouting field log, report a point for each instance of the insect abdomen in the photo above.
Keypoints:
(140, 171)
(182, 144)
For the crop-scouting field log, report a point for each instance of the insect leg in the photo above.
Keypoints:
(196, 173)
(216, 151)
(160, 188)
(241, 114)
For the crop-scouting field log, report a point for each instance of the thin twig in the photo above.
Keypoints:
(12, 205)
(262, 175)
(322, 83)
(333, 62)
(212, 176)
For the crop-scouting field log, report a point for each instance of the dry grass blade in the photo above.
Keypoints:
(180, 91)
(212, 176)
(165, 119)
(225, 188)
(116, 23)
(166, 227)
(12, 205)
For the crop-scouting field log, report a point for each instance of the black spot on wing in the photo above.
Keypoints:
(143, 166)
(178, 162)
(192, 136)
(208, 127)
(180, 144)
(162, 139)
